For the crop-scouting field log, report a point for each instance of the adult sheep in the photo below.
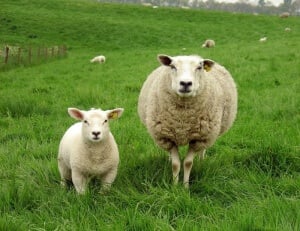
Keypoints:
(88, 149)
(187, 101)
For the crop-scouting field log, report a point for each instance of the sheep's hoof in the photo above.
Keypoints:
(63, 184)
(105, 189)
(186, 185)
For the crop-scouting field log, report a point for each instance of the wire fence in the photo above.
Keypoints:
(15, 55)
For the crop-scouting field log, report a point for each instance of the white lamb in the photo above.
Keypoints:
(187, 101)
(88, 149)
(98, 59)
(209, 43)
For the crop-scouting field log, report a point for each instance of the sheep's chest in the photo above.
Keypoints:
(182, 124)
(94, 163)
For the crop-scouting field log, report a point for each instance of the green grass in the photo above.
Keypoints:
(250, 179)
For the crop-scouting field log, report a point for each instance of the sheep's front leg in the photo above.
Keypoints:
(175, 164)
(107, 180)
(79, 181)
(188, 164)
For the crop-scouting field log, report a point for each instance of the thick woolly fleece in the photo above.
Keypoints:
(172, 120)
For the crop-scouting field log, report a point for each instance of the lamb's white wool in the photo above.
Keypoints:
(88, 149)
(98, 59)
(263, 39)
(187, 101)
(209, 43)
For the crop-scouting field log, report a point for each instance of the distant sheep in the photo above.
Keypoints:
(262, 40)
(287, 29)
(209, 43)
(187, 101)
(284, 15)
(88, 149)
(98, 59)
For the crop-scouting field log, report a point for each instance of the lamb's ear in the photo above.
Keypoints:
(114, 113)
(164, 59)
(208, 64)
(76, 113)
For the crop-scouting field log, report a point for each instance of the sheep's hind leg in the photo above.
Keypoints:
(202, 154)
(175, 164)
(65, 173)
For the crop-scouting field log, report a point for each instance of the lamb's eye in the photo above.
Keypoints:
(105, 121)
(85, 121)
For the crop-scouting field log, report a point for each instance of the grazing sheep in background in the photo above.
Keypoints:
(209, 43)
(98, 59)
(88, 149)
(287, 29)
(284, 15)
(262, 40)
(187, 101)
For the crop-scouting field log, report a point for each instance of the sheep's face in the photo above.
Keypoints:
(186, 72)
(95, 127)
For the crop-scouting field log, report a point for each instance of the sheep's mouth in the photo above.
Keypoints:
(96, 138)
(185, 91)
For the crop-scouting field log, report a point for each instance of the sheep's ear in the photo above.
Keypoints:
(208, 64)
(115, 113)
(164, 59)
(75, 113)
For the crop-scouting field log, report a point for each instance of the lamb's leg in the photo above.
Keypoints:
(107, 180)
(65, 172)
(79, 181)
(175, 164)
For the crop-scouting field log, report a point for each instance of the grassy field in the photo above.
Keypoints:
(250, 179)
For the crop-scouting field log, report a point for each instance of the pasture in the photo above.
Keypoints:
(250, 179)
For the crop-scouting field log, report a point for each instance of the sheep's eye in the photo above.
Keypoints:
(85, 121)
(105, 121)
(199, 68)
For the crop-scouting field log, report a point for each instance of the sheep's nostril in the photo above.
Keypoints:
(96, 133)
(186, 84)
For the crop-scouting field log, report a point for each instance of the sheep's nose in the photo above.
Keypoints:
(96, 134)
(186, 84)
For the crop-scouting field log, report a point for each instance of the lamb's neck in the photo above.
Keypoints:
(96, 147)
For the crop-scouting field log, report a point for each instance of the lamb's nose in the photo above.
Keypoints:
(186, 84)
(96, 133)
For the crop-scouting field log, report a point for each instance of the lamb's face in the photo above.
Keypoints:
(95, 127)
(186, 72)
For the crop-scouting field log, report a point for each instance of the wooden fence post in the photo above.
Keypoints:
(29, 54)
(6, 54)
(19, 54)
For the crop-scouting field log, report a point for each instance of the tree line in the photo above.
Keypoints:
(244, 6)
